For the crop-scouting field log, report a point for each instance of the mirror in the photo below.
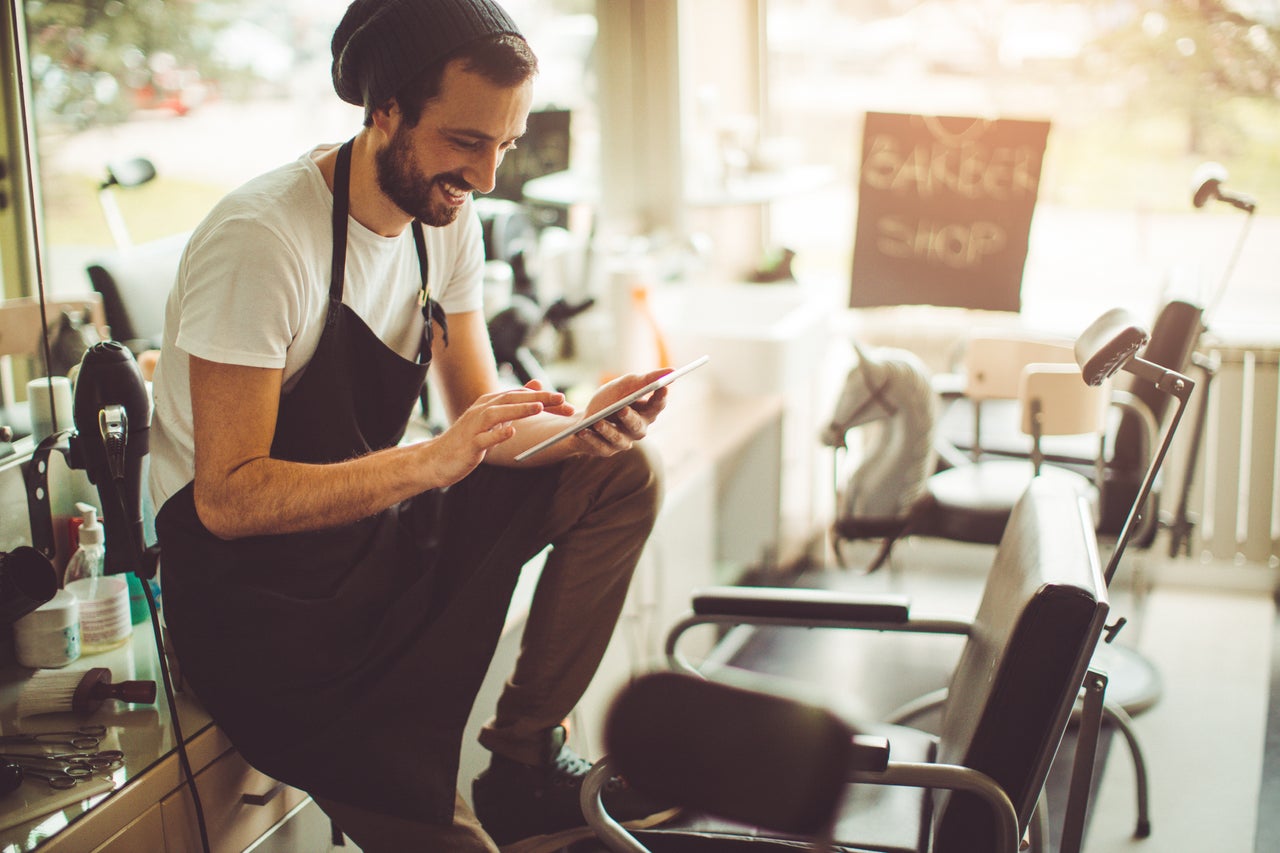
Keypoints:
(124, 120)
(129, 117)
(138, 124)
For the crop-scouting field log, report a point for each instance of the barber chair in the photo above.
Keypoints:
(981, 426)
(1031, 542)
(971, 501)
(736, 759)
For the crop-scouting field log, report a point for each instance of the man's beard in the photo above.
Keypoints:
(412, 193)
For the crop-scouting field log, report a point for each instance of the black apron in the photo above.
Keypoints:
(345, 661)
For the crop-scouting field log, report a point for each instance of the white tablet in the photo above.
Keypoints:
(614, 408)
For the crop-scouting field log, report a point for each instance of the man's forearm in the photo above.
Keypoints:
(266, 495)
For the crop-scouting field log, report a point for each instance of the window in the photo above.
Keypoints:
(211, 93)
(1138, 95)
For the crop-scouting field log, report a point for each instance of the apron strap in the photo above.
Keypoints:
(341, 210)
(431, 310)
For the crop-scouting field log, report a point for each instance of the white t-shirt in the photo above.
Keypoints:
(253, 288)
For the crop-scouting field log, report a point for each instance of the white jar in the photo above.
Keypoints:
(49, 636)
(104, 613)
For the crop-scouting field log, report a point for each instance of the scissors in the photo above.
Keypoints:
(56, 773)
(103, 759)
(84, 737)
(54, 778)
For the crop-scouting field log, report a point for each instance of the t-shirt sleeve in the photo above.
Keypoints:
(242, 298)
(464, 289)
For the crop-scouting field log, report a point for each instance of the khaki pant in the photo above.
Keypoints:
(601, 515)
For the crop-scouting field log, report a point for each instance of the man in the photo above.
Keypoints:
(335, 597)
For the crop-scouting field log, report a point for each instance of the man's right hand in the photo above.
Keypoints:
(486, 423)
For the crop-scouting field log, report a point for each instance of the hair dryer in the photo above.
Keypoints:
(112, 416)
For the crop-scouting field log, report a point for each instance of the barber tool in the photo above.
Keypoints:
(110, 439)
(57, 773)
(113, 423)
(82, 737)
(80, 692)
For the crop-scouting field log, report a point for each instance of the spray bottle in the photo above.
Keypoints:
(90, 557)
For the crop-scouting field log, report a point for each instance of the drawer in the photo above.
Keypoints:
(240, 805)
(146, 832)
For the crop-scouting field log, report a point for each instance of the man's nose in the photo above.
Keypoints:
(482, 170)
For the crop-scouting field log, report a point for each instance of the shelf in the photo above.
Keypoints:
(569, 188)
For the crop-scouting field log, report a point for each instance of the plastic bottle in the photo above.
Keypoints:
(89, 558)
(138, 610)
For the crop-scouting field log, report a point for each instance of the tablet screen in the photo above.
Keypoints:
(614, 408)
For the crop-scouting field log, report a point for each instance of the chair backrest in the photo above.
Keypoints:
(135, 285)
(1056, 396)
(1013, 689)
(1174, 336)
(993, 362)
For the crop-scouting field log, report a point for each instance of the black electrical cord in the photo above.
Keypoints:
(165, 675)
(173, 714)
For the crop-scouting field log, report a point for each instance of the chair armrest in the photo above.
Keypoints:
(870, 753)
(955, 778)
(800, 604)
(802, 608)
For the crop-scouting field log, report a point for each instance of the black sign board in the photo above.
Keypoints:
(944, 210)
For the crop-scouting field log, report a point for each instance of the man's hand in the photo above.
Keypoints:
(486, 423)
(619, 431)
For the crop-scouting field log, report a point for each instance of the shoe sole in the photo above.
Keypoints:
(556, 841)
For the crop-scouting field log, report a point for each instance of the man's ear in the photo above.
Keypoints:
(386, 118)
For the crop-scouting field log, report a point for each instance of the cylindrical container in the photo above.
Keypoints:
(49, 636)
(66, 486)
(631, 344)
(43, 409)
(104, 613)
(138, 610)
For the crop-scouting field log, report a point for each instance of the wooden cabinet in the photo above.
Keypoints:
(146, 832)
(153, 812)
(240, 805)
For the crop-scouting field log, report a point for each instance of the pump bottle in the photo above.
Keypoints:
(90, 557)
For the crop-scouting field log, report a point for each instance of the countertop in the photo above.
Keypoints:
(31, 816)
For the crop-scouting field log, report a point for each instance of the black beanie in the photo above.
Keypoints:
(382, 44)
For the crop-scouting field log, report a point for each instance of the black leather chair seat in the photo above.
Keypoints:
(970, 503)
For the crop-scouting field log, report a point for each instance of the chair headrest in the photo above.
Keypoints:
(735, 753)
(1108, 343)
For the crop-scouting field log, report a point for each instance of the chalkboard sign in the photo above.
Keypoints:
(944, 210)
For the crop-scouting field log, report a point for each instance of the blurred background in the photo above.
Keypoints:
(1138, 94)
